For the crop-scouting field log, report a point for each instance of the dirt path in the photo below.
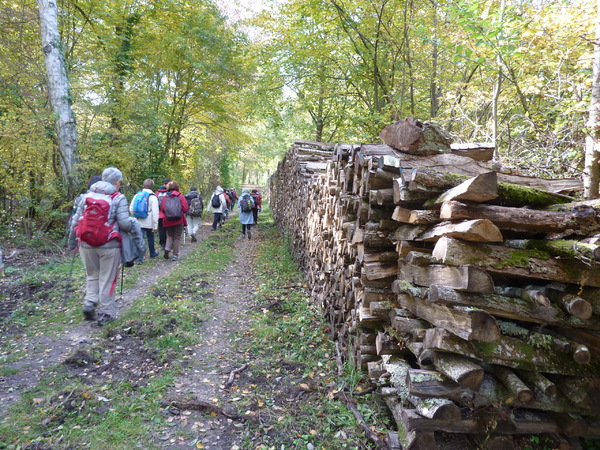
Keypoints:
(203, 398)
(45, 351)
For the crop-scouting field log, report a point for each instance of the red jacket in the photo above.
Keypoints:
(184, 208)
(161, 214)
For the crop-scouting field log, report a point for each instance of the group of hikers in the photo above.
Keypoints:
(102, 229)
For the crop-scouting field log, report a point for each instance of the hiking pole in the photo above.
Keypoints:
(68, 286)
(122, 272)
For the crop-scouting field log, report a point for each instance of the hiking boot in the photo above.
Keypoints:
(89, 312)
(103, 319)
(194, 238)
(154, 255)
(175, 258)
(167, 254)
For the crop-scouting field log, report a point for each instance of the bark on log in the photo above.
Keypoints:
(460, 369)
(508, 351)
(463, 278)
(480, 230)
(466, 323)
(415, 137)
(480, 189)
(519, 263)
(521, 219)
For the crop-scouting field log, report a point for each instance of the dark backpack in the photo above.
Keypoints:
(141, 204)
(172, 207)
(196, 207)
(93, 227)
(215, 202)
(246, 203)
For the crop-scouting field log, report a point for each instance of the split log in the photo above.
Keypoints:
(377, 270)
(420, 259)
(480, 189)
(402, 323)
(416, 217)
(479, 230)
(521, 219)
(404, 196)
(467, 323)
(462, 278)
(387, 346)
(460, 369)
(519, 263)
(479, 151)
(404, 247)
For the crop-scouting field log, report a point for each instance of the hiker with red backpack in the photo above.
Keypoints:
(102, 213)
(144, 207)
(257, 197)
(173, 207)
(162, 233)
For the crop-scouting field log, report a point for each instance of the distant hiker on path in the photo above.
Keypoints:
(218, 205)
(162, 233)
(246, 217)
(144, 207)
(101, 214)
(194, 214)
(173, 206)
(257, 197)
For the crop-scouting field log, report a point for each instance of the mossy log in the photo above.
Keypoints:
(430, 383)
(481, 188)
(564, 248)
(511, 352)
(515, 308)
(521, 219)
(505, 261)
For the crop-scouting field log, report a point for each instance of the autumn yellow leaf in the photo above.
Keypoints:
(199, 445)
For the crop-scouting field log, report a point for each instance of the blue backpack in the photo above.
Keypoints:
(140, 204)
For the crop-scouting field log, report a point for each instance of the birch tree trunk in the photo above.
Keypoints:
(591, 172)
(58, 90)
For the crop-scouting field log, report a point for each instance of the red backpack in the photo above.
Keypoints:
(93, 227)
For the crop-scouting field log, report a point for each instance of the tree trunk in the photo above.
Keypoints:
(58, 91)
(591, 172)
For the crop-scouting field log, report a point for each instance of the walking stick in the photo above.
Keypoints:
(68, 286)
(122, 271)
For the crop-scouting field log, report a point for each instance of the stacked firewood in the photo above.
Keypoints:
(471, 296)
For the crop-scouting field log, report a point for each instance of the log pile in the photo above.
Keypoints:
(471, 296)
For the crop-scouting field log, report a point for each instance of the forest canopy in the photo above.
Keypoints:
(196, 93)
